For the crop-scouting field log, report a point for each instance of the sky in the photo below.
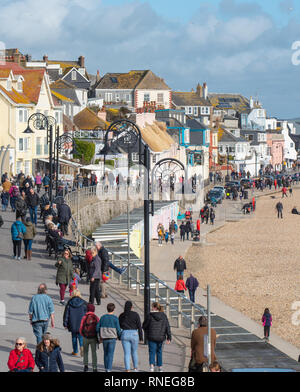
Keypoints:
(235, 46)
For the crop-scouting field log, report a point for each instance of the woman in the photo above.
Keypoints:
(38, 182)
(20, 359)
(180, 286)
(95, 275)
(157, 330)
(21, 207)
(47, 356)
(64, 274)
(75, 309)
(14, 194)
(132, 333)
(17, 232)
(28, 238)
(267, 323)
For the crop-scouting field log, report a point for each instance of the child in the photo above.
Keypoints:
(4, 200)
(172, 236)
(267, 323)
(180, 285)
(76, 279)
(166, 236)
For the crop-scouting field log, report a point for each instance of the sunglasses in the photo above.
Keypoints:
(19, 344)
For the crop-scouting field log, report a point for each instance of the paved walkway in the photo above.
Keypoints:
(19, 282)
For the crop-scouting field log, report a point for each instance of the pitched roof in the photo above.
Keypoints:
(229, 101)
(189, 99)
(60, 83)
(227, 136)
(15, 96)
(156, 136)
(61, 97)
(88, 120)
(132, 80)
(4, 73)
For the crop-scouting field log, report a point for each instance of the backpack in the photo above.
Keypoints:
(89, 326)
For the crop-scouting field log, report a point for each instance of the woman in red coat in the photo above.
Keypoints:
(180, 285)
(20, 359)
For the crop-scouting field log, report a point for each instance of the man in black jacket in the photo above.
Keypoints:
(32, 200)
(180, 266)
(64, 216)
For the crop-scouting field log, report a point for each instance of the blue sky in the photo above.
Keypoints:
(241, 46)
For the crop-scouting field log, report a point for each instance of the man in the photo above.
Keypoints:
(182, 231)
(199, 344)
(192, 284)
(32, 200)
(41, 310)
(104, 257)
(279, 208)
(64, 216)
(4, 177)
(179, 266)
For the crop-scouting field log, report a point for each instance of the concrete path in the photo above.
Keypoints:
(19, 281)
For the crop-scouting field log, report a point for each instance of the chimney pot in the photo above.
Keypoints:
(81, 61)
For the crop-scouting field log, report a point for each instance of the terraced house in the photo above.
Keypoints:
(137, 90)
(22, 93)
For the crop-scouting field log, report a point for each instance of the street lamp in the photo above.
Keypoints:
(42, 122)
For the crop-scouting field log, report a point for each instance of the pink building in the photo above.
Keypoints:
(275, 142)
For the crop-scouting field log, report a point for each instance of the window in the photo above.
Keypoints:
(190, 110)
(46, 147)
(19, 166)
(135, 157)
(127, 97)
(146, 97)
(21, 115)
(38, 146)
(27, 168)
(20, 86)
(74, 75)
(21, 144)
(292, 145)
(195, 110)
(8, 86)
(154, 158)
(207, 110)
(57, 116)
(160, 98)
(117, 97)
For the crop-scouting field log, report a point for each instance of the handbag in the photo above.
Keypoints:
(192, 364)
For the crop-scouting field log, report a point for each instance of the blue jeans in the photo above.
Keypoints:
(109, 350)
(76, 336)
(130, 342)
(28, 244)
(114, 267)
(33, 214)
(192, 295)
(155, 352)
(180, 273)
(39, 329)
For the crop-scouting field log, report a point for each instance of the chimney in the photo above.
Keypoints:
(81, 61)
(205, 91)
(98, 77)
(17, 58)
(28, 57)
(199, 90)
(45, 58)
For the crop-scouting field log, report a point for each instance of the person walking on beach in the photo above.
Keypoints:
(182, 231)
(267, 323)
(279, 208)
(284, 190)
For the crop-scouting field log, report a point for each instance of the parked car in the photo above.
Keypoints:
(220, 188)
(215, 196)
(229, 186)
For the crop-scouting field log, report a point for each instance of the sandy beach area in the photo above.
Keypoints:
(255, 263)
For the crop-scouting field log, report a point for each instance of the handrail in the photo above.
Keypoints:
(152, 277)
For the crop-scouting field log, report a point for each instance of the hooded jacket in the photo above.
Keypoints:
(157, 327)
(75, 309)
(49, 360)
(64, 271)
(64, 213)
(30, 231)
(16, 228)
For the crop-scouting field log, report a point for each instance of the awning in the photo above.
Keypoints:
(62, 161)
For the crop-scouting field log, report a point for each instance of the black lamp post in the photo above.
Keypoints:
(42, 123)
(60, 144)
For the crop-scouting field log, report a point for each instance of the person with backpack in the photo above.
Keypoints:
(267, 323)
(13, 193)
(88, 331)
(108, 331)
(18, 230)
(75, 309)
(157, 330)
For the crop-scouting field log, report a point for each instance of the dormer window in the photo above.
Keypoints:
(74, 76)
(9, 85)
(60, 71)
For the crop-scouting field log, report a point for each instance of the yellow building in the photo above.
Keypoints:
(24, 92)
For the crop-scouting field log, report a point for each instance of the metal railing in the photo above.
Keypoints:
(173, 301)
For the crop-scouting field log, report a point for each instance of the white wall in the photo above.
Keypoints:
(153, 97)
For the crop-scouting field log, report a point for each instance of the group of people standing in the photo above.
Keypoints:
(207, 213)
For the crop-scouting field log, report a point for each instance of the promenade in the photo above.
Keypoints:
(19, 281)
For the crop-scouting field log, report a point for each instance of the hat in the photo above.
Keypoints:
(47, 336)
(91, 308)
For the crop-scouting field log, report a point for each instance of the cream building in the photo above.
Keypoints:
(24, 92)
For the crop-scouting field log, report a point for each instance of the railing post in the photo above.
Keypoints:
(113, 262)
(179, 324)
(120, 276)
(156, 292)
(168, 303)
(137, 282)
(192, 319)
